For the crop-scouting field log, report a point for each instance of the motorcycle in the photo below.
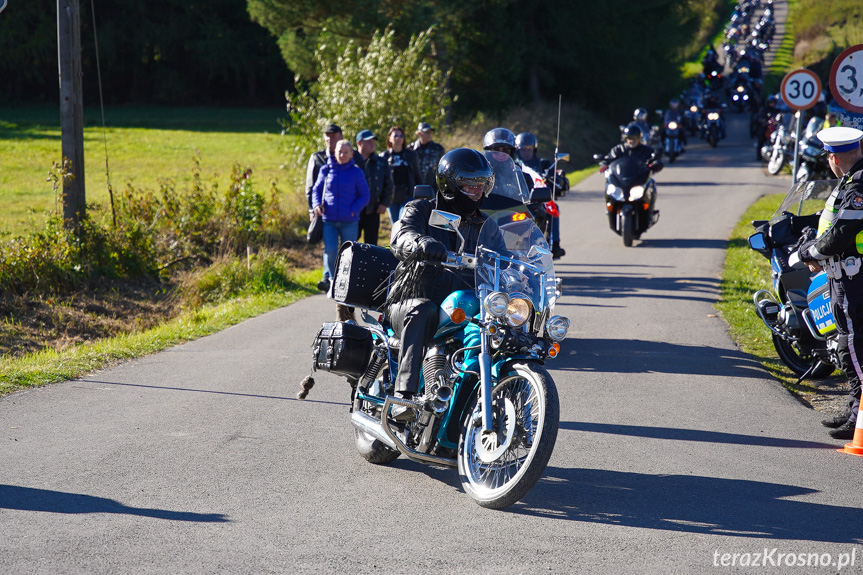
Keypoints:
(486, 405)
(797, 311)
(812, 164)
(711, 126)
(741, 94)
(630, 194)
(672, 145)
(690, 118)
(781, 146)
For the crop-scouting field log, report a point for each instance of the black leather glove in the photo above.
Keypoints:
(655, 166)
(431, 249)
(806, 241)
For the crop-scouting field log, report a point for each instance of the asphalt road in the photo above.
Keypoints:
(674, 448)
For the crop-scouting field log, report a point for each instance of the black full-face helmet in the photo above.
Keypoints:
(525, 139)
(499, 139)
(464, 177)
(632, 135)
(639, 114)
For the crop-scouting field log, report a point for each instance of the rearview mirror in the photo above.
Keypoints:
(539, 195)
(758, 242)
(447, 221)
(598, 157)
(562, 157)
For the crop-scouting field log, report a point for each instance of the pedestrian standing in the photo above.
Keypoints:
(338, 196)
(379, 178)
(428, 153)
(332, 134)
(405, 168)
(837, 249)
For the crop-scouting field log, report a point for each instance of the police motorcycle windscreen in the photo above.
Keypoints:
(486, 404)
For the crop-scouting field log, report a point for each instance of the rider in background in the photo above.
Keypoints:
(526, 145)
(674, 114)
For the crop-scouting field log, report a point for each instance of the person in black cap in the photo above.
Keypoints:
(428, 153)
(379, 177)
(837, 249)
(332, 134)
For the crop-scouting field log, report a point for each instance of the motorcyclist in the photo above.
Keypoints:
(633, 147)
(709, 103)
(639, 118)
(674, 114)
(762, 120)
(526, 145)
(464, 178)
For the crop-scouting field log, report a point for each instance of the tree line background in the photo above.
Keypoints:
(608, 57)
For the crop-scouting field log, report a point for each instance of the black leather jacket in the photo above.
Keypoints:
(380, 180)
(439, 282)
(641, 153)
(841, 238)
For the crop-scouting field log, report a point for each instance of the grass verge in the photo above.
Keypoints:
(51, 366)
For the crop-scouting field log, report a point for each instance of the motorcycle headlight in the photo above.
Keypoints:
(740, 88)
(713, 116)
(672, 125)
(518, 310)
(615, 193)
(636, 193)
(496, 304)
(556, 327)
(693, 109)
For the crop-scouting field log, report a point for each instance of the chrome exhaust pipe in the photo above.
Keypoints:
(368, 424)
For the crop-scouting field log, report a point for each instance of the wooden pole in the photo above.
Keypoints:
(71, 109)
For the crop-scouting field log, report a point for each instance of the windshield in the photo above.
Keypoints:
(508, 179)
(805, 198)
(520, 262)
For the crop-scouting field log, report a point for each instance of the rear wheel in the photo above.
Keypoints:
(499, 468)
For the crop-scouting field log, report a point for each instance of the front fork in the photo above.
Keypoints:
(485, 380)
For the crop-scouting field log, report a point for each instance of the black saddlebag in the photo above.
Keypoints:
(362, 274)
(342, 348)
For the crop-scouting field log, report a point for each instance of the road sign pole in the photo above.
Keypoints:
(799, 117)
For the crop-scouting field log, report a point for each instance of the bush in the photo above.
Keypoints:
(372, 88)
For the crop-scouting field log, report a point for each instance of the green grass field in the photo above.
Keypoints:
(145, 146)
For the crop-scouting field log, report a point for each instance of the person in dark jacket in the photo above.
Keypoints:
(332, 134)
(464, 178)
(379, 177)
(633, 148)
(338, 196)
(838, 249)
(405, 168)
(428, 153)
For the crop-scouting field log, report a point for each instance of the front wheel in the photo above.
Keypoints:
(627, 225)
(798, 362)
(499, 468)
(777, 160)
(713, 136)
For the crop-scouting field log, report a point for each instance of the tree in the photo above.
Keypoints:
(367, 88)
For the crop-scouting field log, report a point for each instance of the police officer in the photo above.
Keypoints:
(837, 249)
(464, 178)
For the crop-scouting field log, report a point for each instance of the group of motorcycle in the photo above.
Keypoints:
(780, 143)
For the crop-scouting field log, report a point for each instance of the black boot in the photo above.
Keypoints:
(557, 252)
(845, 431)
(836, 421)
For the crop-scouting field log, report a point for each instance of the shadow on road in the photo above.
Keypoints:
(587, 284)
(690, 504)
(640, 356)
(255, 395)
(30, 499)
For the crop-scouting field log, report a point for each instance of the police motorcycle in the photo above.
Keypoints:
(486, 403)
(797, 310)
(630, 195)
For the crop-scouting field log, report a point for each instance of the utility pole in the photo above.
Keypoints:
(71, 109)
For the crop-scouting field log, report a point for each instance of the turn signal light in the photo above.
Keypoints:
(457, 315)
(646, 207)
(554, 350)
(610, 207)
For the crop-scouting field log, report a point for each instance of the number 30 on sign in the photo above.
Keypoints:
(846, 79)
(800, 89)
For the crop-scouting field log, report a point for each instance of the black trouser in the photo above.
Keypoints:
(847, 302)
(415, 322)
(370, 225)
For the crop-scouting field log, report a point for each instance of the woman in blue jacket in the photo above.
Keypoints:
(339, 195)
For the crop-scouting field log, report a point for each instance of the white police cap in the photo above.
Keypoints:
(840, 139)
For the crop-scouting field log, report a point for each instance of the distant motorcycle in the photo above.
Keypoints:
(781, 146)
(812, 161)
(712, 128)
(630, 195)
(672, 145)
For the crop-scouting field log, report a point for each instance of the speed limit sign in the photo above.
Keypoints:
(800, 89)
(846, 79)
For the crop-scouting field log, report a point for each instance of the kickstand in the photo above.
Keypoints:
(807, 373)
